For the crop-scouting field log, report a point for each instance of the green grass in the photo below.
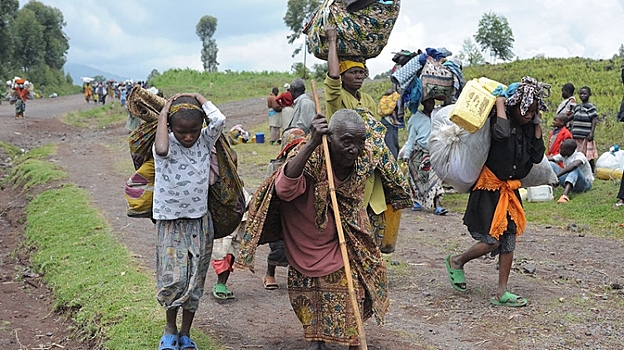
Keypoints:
(97, 118)
(10, 150)
(227, 86)
(29, 170)
(112, 301)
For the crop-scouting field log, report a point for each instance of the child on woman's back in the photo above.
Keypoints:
(185, 230)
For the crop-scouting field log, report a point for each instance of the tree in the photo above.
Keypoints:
(621, 51)
(8, 11)
(470, 53)
(205, 29)
(495, 35)
(297, 15)
(29, 34)
(299, 69)
(153, 74)
(56, 42)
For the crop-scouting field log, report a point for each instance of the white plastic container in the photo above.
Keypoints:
(543, 193)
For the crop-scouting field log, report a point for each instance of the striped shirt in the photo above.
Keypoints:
(582, 118)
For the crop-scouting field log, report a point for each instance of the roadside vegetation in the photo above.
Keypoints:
(113, 300)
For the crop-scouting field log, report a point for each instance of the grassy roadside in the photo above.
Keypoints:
(91, 274)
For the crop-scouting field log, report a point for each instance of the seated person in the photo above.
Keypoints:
(576, 174)
(557, 135)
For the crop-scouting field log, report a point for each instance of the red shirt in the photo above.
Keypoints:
(285, 99)
(310, 250)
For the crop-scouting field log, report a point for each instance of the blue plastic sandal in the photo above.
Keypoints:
(186, 343)
(440, 211)
(168, 342)
(416, 207)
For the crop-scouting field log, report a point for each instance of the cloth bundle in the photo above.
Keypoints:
(139, 191)
(457, 156)
(362, 34)
(437, 80)
(144, 104)
(226, 197)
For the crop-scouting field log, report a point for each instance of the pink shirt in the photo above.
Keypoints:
(309, 250)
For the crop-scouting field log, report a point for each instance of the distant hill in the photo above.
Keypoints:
(76, 71)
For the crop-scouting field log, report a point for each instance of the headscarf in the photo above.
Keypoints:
(183, 107)
(346, 65)
(528, 91)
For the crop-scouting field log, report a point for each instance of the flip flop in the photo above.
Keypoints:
(168, 342)
(187, 343)
(456, 276)
(220, 291)
(563, 199)
(509, 299)
(269, 285)
(440, 211)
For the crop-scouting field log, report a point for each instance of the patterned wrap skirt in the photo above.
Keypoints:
(323, 306)
(425, 185)
(182, 260)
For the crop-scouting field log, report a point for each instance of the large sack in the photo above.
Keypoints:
(611, 161)
(362, 34)
(457, 156)
(540, 174)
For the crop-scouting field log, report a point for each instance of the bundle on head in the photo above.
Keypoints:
(144, 104)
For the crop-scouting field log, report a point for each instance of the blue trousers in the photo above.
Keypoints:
(575, 177)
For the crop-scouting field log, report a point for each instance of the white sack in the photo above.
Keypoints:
(540, 174)
(457, 156)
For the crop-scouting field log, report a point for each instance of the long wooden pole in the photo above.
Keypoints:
(341, 237)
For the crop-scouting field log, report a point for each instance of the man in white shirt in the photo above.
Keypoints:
(576, 174)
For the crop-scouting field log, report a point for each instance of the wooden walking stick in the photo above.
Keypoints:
(341, 237)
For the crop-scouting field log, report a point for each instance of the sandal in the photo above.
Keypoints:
(456, 276)
(270, 283)
(168, 342)
(187, 343)
(509, 299)
(563, 199)
(416, 207)
(221, 292)
(440, 211)
(618, 204)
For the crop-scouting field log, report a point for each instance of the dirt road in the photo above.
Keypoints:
(573, 281)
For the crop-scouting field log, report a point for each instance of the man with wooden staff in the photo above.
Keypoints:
(317, 283)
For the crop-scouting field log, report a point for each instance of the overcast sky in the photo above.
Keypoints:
(131, 37)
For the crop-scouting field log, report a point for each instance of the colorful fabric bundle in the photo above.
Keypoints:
(144, 104)
(226, 199)
(141, 140)
(437, 80)
(362, 34)
(387, 104)
(139, 191)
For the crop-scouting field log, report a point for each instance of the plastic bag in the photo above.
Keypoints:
(611, 160)
(457, 156)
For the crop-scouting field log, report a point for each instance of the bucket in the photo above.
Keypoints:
(259, 137)
(391, 233)
(541, 193)
(474, 104)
